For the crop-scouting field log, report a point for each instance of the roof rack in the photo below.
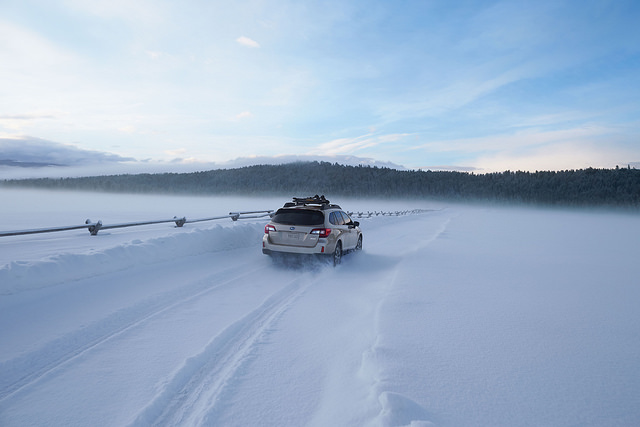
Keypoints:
(321, 201)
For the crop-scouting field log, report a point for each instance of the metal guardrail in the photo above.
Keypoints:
(95, 227)
(370, 214)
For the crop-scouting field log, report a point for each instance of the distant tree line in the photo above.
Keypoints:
(584, 187)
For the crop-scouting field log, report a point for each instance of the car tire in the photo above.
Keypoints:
(359, 244)
(337, 254)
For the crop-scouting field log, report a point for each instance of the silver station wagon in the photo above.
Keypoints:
(311, 225)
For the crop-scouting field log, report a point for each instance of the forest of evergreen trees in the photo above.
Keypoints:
(584, 187)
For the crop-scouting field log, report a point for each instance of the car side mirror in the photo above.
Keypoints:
(356, 223)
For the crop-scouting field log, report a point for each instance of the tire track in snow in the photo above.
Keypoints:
(27, 371)
(427, 238)
(192, 396)
(394, 409)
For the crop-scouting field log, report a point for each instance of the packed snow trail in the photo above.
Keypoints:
(68, 348)
(194, 392)
(458, 317)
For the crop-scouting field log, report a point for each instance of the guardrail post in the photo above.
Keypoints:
(234, 216)
(180, 221)
(94, 228)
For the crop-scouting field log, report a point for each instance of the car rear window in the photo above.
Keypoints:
(298, 217)
(335, 218)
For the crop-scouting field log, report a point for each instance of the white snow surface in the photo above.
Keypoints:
(460, 316)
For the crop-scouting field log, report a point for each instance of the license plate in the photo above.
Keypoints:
(294, 236)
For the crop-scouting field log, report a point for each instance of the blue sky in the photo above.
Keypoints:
(474, 85)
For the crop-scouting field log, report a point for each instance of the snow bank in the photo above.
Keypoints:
(19, 276)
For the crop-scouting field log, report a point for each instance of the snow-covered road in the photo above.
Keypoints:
(461, 316)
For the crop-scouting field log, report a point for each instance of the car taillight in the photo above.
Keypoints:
(268, 228)
(321, 232)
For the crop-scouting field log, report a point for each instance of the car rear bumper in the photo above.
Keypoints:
(321, 248)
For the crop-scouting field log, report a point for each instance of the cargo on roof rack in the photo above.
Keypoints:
(320, 201)
(311, 200)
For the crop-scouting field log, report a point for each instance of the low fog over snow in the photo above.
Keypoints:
(459, 316)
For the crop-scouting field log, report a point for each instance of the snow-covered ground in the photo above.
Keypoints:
(460, 316)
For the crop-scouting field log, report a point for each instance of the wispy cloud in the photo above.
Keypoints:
(246, 41)
(128, 129)
(154, 54)
(447, 94)
(40, 151)
(141, 12)
(517, 140)
(22, 48)
(243, 115)
(27, 116)
(176, 152)
(17, 122)
(352, 145)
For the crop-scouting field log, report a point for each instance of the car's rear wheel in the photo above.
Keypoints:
(337, 254)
